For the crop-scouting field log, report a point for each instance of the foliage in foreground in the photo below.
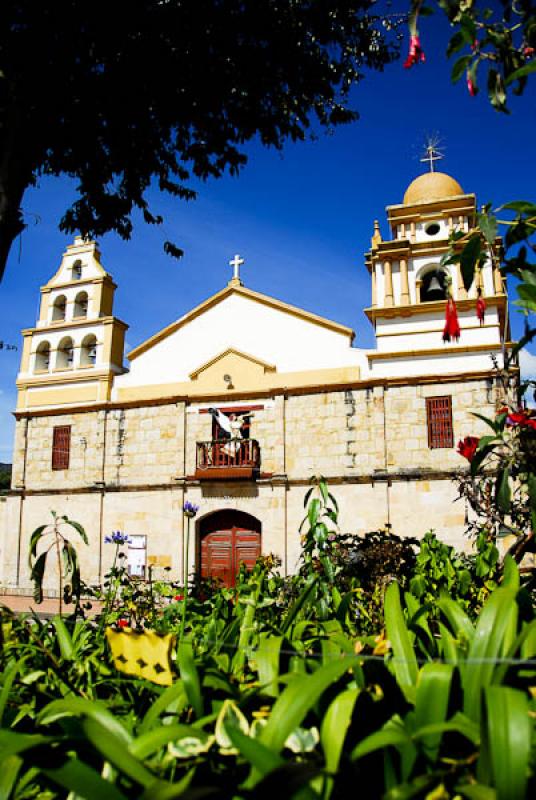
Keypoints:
(300, 707)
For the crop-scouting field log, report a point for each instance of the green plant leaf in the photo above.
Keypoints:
(80, 707)
(487, 646)
(393, 734)
(77, 527)
(469, 259)
(79, 779)
(522, 72)
(173, 698)
(64, 639)
(404, 661)
(149, 743)
(190, 677)
(502, 490)
(34, 541)
(431, 704)
(333, 731)
(267, 660)
(113, 749)
(38, 570)
(509, 733)
(297, 699)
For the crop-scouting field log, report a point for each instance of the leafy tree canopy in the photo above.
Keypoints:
(117, 95)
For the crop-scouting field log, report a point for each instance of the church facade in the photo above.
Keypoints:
(239, 422)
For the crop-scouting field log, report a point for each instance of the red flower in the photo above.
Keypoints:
(503, 410)
(416, 53)
(528, 52)
(452, 326)
(471, 88)
(122, 623)
(179, 597)
(523, 418)
(467, 447)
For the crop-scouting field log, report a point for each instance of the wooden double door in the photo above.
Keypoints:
(226, 540)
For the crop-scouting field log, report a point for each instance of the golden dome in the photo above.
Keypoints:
(431, 186)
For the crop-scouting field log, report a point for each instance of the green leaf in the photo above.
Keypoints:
(488, 225)
(81, 780)
(113, 749)
(267, 660)
(522, 72)
(8, 676)
(301, 601)
(259, 756)
(14, 744)
(77, 527)
(502, 490)
(172, 699)
(297, 699)
(459, 67)
(151, 742)
(190, 677)
(393, 734)
(509, 732)
(80, 707)
(404, 660)
(488, 645)
(38, 570)
(34, 541)
(333, 731)
(64, 639)
(431, 704)
(469, 258)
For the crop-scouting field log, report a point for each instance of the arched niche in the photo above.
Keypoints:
(88, 350)
(42, 357)
(80, 305)
(59, 308)
(65, 353)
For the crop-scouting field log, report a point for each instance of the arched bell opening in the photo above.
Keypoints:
(225, 540)
(65, 354)
(42, 357)
(80, 305)
(88, 351)
(434, 285)
(59, 308)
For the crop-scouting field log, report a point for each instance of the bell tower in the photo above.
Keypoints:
(76, 347)
(410, 287)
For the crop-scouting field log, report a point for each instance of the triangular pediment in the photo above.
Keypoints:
(231, 367)
(248, 294)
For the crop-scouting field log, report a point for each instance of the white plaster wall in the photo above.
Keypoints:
(443, 364)
(271, 335)
(425, 331)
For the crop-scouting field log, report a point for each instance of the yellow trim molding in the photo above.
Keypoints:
(428, 307)
(446, 350)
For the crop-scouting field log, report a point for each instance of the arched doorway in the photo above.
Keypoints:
(227, 539)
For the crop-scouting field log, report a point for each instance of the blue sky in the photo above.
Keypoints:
(301, 218)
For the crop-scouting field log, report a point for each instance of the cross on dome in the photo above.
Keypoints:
(432, 152)
(236, 263)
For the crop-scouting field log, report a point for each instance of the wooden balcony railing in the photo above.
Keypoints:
(227, 458)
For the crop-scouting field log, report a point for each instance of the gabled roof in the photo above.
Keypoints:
(251, 295)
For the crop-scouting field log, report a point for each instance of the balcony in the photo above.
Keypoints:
(227, 459)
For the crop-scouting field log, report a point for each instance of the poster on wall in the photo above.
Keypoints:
(137, 556)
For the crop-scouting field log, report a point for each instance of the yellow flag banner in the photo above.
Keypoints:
(143, 654)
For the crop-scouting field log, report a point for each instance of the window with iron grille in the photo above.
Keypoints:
(61, 446)
(439, 419)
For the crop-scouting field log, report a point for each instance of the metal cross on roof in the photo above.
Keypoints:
(236, 263)
(432, 153)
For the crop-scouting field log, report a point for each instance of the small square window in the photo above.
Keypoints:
(439, 420)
